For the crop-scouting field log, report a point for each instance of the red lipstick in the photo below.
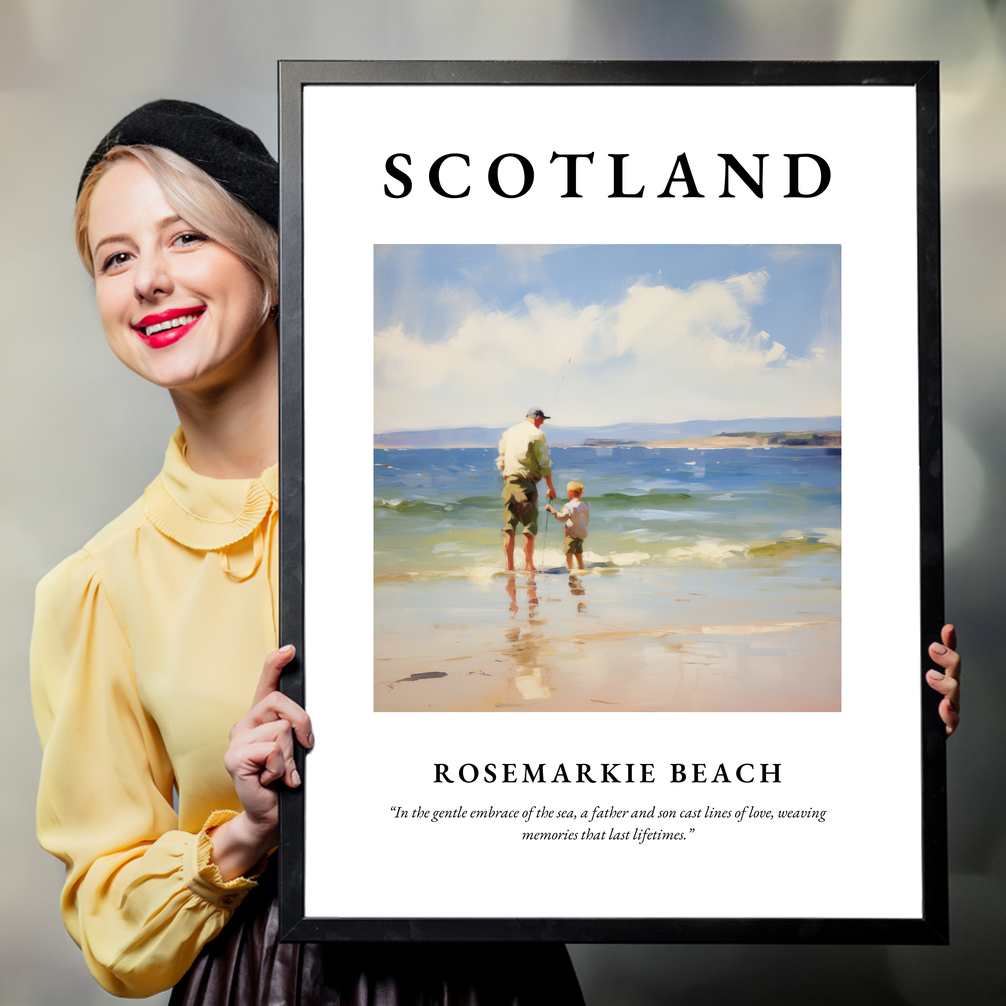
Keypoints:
(166, 326)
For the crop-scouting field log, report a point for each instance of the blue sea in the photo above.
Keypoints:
(731, 556)
(440, 509)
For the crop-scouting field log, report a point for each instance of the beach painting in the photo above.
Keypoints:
(694, 392)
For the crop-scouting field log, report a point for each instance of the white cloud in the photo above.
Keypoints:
(658, 355)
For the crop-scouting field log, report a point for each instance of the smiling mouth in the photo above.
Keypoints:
(164, 326)
(167, 327)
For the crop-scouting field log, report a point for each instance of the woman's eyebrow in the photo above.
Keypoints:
(160, 225)
(109, 240)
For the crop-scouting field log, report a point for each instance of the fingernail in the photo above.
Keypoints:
(310, 740)
(295, 777)
(938, 648)
(936, 675)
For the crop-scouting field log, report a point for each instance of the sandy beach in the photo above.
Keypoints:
(610, 638)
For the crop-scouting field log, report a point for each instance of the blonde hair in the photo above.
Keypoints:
(574, 487)
(199, 200)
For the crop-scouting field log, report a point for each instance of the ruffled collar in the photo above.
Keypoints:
(203, 513)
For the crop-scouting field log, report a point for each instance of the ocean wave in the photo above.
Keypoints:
(482, 566)
(624, 501)
(477, 563)
(416, 506)
(643, 507)
(549, 560)
(720, 552)
(437, 507)
(708, 551)
(801, 545)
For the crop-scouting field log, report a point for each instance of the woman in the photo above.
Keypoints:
(148, 643)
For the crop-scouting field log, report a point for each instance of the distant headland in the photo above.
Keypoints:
(706, 434)
(749, 438)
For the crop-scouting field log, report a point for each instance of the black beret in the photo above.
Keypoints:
(230, 154)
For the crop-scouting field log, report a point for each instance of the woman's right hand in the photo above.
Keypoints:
(260, 753)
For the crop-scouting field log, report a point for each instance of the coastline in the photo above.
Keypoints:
(789, 441)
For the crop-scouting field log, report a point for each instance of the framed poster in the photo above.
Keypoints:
(701, 301)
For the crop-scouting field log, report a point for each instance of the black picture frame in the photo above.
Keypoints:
(931, 926)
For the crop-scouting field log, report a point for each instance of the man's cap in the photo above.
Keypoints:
(229, 153)
(535, 413)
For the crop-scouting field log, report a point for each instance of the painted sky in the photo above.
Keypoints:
(474, 335)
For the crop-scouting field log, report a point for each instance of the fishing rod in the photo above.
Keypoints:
(561, 379)
(544, 536)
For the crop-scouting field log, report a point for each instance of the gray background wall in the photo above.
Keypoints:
(82, 437)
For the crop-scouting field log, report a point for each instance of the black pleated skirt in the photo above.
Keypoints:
(246, 965)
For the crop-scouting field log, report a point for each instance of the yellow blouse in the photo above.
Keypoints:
(147, 647)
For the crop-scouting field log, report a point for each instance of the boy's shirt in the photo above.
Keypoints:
(575, 513)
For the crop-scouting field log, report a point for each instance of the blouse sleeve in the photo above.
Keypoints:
(141, 898)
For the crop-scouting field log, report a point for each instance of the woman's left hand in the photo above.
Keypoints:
(947, 682)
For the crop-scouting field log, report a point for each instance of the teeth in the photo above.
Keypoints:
(173, 323)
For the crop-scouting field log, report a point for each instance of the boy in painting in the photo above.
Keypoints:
(575, 515)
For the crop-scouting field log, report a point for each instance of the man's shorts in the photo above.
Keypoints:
(520, 506)
(572, 546)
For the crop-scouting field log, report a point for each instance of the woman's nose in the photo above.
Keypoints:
(152, 277)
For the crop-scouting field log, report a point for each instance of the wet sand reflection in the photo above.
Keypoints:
(529, 672)
(591, 640)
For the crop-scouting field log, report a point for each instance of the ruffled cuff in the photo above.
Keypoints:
(202, 876)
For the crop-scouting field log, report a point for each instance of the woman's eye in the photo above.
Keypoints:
(114, 261)
(190, 238)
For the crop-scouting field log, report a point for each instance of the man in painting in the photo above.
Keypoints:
(524, 462)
